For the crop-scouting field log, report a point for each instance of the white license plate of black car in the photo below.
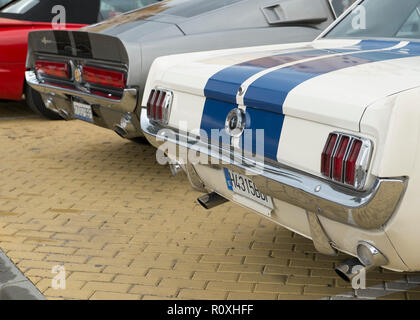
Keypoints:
(244, 186)
(82, 111)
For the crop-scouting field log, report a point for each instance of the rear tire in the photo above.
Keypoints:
(34, 101)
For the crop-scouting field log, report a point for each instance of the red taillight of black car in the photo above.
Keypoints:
(158, 105)
(55, 69)
(345, 159)
(104, 77)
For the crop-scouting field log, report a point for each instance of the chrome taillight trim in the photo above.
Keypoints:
(362, 162)
(156, 95)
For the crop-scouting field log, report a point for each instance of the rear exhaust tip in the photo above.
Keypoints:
(120, 131)
(64, 114)
(370, 256)
(351, 268)
(211, 200)
(126, 128)
(175, 168)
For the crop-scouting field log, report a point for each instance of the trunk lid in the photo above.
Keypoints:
(77, 44)
(327, 81)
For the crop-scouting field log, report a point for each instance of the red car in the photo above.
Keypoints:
(19, 17)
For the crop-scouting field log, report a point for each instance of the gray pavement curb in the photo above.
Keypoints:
(13, 284)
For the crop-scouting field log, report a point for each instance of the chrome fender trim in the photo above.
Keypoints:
(370, 209)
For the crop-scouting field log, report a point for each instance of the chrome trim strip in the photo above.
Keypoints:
(370, 209)
(127, 103)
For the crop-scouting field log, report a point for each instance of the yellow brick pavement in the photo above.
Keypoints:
(76, 195)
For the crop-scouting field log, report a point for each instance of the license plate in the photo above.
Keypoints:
(246, 187)
(82, 111)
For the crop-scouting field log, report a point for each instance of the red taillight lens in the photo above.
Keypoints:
(338, 161)
(350, 164)
(159, 114)
(53, 69)
(346, 158)
(104, 77)
(158, 105)
(327, 154)
(150, 103)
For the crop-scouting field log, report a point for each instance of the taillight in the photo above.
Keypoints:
(53, 69)
(104, 77)
(327, 155)
(345, 159)
(158, 105)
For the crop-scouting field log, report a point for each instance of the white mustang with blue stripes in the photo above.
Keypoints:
(321, 138)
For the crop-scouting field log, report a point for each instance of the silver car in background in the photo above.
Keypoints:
(98, 74)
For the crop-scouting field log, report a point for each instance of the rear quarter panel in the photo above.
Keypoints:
(394, 122)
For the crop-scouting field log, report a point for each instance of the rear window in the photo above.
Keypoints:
(112, 8)
(380, 19)
(192, 8)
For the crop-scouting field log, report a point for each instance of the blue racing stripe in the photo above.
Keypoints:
(270, 91)
(213, 124)
(214, 117)
(265, 97)
(224, 85)
(272, 124)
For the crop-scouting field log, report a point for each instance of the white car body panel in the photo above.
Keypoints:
(387, 114)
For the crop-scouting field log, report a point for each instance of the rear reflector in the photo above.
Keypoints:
(53, 69)
(158, 105)
(104, 77)
(345, 159)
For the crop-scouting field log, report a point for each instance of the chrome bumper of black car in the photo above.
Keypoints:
(369, 210)
(127, 103)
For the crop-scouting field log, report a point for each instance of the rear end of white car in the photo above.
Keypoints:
(321, 163)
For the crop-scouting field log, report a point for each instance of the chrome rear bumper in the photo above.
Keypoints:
(369, 210)
(127, 103)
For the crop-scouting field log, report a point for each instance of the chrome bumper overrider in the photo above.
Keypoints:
(370, 209)
(127, 103)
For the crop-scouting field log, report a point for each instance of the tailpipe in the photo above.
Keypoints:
(211, 200)
(350, 269)
(126, 128)
(368, 258)
(63, 114)
(175, 168)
